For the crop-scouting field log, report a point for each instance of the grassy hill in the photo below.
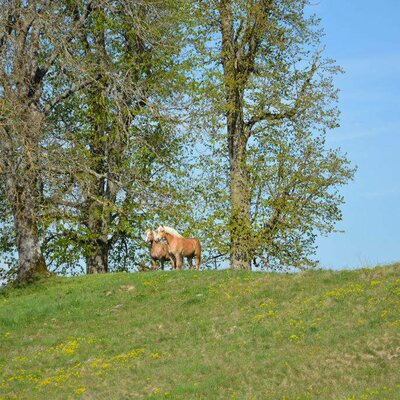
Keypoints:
(204, 335)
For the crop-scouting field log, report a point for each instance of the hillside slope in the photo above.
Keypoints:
(204, 335)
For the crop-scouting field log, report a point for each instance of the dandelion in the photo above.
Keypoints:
(45, 382)
(270, 313)
(124, 357)
(70, 347)
(350, 289)
(95, 363)
(66, 348)
(80, 390)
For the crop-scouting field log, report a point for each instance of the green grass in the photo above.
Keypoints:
(203, 335)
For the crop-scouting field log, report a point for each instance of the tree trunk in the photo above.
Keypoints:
(97, 248)
(97, 259)
(240, 224)
(235, 76)
(240, 220)
(23, 197)
(31, 261)
(30, 257)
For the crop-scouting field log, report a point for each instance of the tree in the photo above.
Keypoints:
(275, 91)
(34, 37)
(117, 142)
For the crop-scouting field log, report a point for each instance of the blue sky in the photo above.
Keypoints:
(364, 38)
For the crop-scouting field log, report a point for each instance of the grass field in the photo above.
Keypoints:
(204, 335)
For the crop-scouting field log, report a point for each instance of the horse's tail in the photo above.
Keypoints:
(198, 253)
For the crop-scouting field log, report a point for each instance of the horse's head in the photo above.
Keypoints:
(149, 235)
(160, 233)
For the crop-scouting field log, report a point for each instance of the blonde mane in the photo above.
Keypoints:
(172, 231)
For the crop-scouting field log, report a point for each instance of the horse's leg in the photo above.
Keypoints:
(154, 264)
(190, 262)
(179, 261)
(173, 261)
(162, 264)
(198, 262)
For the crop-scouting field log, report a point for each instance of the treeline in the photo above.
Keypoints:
(206, 116)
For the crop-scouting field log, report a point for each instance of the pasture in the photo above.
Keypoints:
(203, 335)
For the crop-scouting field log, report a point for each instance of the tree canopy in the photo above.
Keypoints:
(207, 116)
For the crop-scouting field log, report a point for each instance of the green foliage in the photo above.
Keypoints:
(213, 334)
(267, 103)
(295, 184)
(138, 135)
(118, 143)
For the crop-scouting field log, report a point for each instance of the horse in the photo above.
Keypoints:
(179, 247)
(158, 250)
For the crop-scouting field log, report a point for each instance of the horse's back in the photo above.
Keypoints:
(192, 245)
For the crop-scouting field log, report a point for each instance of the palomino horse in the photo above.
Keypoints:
(179, 247)
(158, 250)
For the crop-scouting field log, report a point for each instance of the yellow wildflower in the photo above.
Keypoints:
(80, 390)
(374, 283)
(258, 317)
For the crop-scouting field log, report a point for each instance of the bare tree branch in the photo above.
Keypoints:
(74, 89)
(296, 107)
